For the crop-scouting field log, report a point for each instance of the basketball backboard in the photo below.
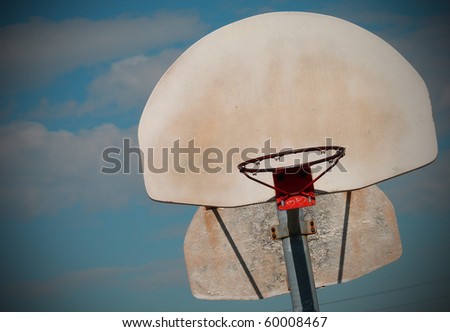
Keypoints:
(278, 81)
(230, 255)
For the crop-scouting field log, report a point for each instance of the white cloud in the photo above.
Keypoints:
(42, 171)
(126, 85)
(129, 82)
(35, 51)
(46, 109)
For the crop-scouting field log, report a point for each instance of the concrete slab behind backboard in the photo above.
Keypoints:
(230, 254)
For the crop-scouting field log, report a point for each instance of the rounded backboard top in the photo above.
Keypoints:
(276, 81)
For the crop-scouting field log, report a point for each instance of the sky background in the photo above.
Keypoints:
(74, 78)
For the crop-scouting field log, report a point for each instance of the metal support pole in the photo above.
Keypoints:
(298, 261)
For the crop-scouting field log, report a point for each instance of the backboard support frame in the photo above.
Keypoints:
(294, 190)
(298, 261)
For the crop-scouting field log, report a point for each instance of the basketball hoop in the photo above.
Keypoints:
(293, 185)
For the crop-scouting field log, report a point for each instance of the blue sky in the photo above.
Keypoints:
(74, 78)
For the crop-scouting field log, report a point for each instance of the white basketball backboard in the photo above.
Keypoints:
(284, 80)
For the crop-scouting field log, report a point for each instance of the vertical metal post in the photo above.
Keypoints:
(298, 261)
